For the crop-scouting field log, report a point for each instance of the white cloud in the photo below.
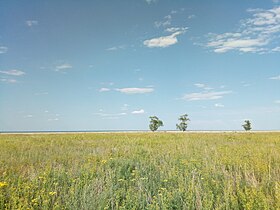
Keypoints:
(165, 22)
(8, 80)
(135, 90)
(200, 85)
(53, 119)
(28, 116)
(191, 16)
(104, 89)
(205, 87)
(175, 29)
(63, 67)
(275, 78)
(205, 95)
(141, 111)
(219, 105)
(277, 101)
(3, 49)
(109, 115)
(31, 23)
(246, 85)
(276, 49)
(164, 41)
(13, 72)
(257, 34)
(115, 48)
(107, 83)
(112, 48)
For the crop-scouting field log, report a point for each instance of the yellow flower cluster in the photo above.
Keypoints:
(3, 184)
(52, 193)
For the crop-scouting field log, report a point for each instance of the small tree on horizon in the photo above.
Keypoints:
(155, 123)
(247, 125)
(182, 126)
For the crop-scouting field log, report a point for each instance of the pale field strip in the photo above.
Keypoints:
(134, 131)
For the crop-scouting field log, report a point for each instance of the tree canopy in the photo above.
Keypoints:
(155, 123)
(247, 125)
(182, 126)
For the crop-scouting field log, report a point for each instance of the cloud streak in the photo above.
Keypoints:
(133, 90)
(3, 49)
(31, 23)
(165, 22)
(13, 72)
(254, 35)
(205, 95)
(104, 89)
(275, 78)
(8, 80)
(63, 67)
(141, 111)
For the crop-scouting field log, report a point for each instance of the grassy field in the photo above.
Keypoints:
(140, 171)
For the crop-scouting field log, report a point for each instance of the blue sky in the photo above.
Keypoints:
(104, 65)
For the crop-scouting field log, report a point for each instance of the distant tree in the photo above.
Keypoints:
(182, 126)
(155, 123)
(247, 125)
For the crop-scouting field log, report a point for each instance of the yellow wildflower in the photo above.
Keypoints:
(3, 184)
(52, 193)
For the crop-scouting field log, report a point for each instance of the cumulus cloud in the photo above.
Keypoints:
(134, 90)
(205, 95)
(31, 23)
(3, 49)
(13, 72)
(141, 111)
(64, 66)
(254, 35)
(163, 41)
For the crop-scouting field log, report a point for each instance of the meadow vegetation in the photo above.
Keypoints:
(140, 171)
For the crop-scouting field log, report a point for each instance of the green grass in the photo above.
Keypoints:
(140, 171)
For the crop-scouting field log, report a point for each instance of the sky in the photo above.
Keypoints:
(109, 65)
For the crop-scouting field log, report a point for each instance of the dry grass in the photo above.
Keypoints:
(140, 171)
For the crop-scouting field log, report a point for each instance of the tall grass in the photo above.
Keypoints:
(140, 171)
